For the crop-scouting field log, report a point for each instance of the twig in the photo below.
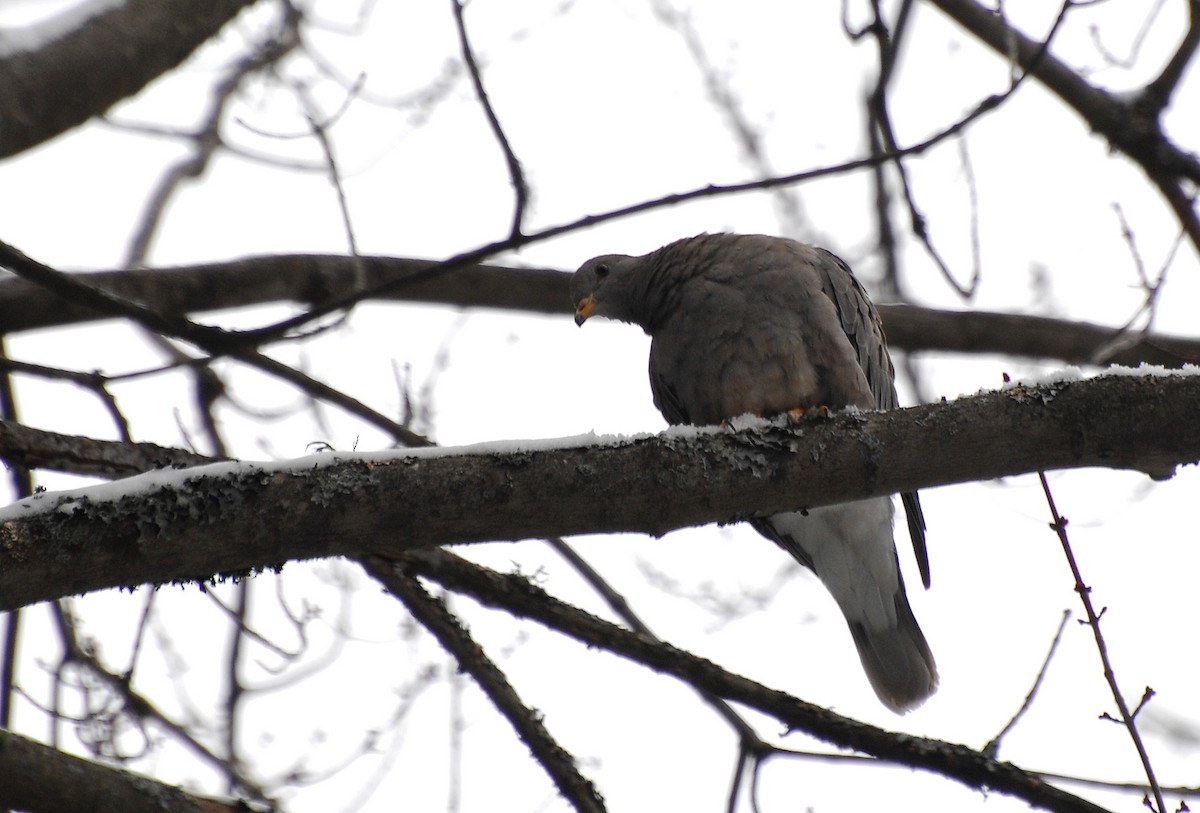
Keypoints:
(325, 392)
(136, 707)
(1157, 94)
(1135, 45)
(1059, 525)
(752, 749)
(207, 138)
(1133, 128)
(319, 127)
(992, 749)
(434, 616)
(93, 381)
(517, 596)
(516, 175)
(748, 138)
(235, 692)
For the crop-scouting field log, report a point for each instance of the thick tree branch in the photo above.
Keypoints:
(313, 279)
(33, 781)
(1131, 126)
(230, 518)
(47, 91)
(76, 454)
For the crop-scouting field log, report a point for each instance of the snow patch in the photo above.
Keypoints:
(153, 481)
(1068, 374)
(33, 37)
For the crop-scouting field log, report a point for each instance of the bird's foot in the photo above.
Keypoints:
(797, 414)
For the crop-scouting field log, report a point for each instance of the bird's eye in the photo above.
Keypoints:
(601, 271)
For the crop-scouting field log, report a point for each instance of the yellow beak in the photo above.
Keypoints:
(584, 309)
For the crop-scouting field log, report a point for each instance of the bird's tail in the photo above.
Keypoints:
(850, 548)
(897, 658)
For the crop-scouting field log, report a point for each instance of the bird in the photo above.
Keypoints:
(764, 325)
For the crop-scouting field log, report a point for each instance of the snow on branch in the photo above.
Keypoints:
(228, 519)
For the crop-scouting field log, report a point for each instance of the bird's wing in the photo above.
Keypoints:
(861, 324)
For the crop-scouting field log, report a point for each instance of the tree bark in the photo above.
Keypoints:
(314, 278)
(46, 91)
(229, 519)
(41, 779)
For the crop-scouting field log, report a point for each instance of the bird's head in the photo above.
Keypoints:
(606, 286)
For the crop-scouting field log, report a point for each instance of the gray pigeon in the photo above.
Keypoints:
(765, 325)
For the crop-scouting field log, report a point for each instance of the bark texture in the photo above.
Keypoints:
(216, 521)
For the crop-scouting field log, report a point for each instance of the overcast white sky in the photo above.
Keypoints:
(605, 108)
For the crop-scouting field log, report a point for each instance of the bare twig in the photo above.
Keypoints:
(1059, 524)
(516, 175)
(235, 692)
(516, 595)
(752, 749)
(1138, 41)
(747, 136)
(992, 749)
(135, 707)
(1132, 127)
(93, 381)
(319, 126)
(324, 392)
(480, 253)
(434, 616)
(1156, 96)
(207, 138)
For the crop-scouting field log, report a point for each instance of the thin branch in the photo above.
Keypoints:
(752, 749)
(1132, 127)
(94, 382)
(747, 137)
(213, 340)
(1156, 96)
(1058, 524)
(434, 616)
(319, 126)
(480, 253)
(324, 392)
(516, 175)
(235, 692)
(139, 709)
(516, 595)
(992, 749)
(206, 140)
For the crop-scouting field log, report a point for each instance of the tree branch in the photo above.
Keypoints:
(33, 781)
(313, 278)
(229, 518)
(516, 595)
(77, 454)
(1132, 127)
(112, 56)
(527, 722)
